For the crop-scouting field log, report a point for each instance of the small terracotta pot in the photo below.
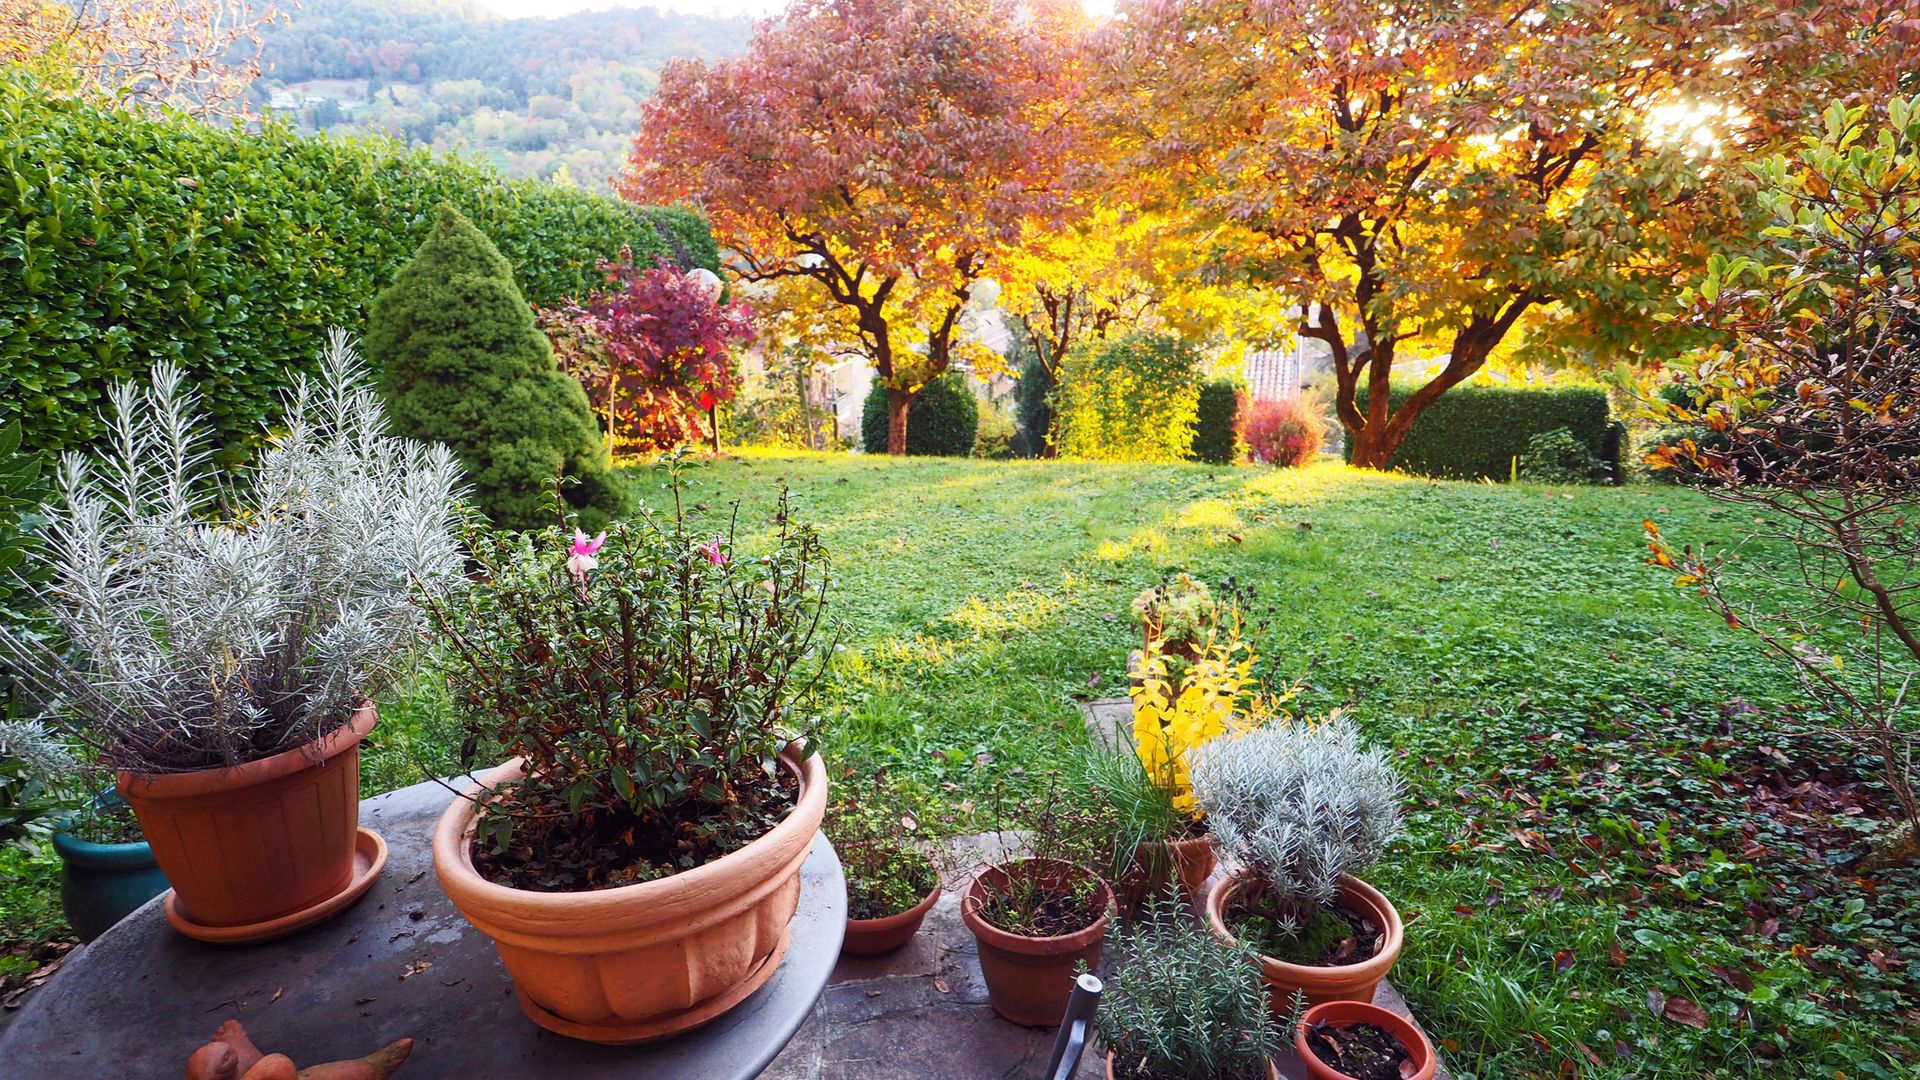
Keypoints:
(1340, 1014)
(1273, 1071)
(254, 842)
(877, 937)
(1191, 860)
(1343, 982)
(641, 962)
(1030, 978)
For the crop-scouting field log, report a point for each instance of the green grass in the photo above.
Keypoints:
(1555, 703)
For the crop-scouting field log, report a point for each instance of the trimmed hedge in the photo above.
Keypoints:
(1216, 424)
(127, 236)
(942, 421)
(1476, 432)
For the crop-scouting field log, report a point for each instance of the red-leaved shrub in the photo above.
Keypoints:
(1283, 432)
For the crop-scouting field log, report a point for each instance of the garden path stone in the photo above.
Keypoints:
(1106, 719)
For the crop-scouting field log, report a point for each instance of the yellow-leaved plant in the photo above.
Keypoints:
(1217, 694)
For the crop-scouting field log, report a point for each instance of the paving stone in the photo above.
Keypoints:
(1108, 720)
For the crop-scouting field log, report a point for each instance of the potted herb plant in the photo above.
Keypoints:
(636, 860)
(892, 881)
(1297, 809)
(1358, 1040)
(1178, 614)
(1038, 919)
(223, 641)
(1184, 1005)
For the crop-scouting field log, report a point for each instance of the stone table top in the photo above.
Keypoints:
(401, 962)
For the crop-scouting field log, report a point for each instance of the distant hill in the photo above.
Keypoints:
(540, 97)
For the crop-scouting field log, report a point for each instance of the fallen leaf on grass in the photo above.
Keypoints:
(1681, 1011)
(1563, 960)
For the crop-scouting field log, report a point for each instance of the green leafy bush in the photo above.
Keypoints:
(462, 363)
(1133, 398)
(128, 237)
(943, 421)
(1216, 435)
(1556, 457)
(998, 434)
(1476, 432)
(1033, 404)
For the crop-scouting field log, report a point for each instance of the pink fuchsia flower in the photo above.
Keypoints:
(581, 557)
(714, 551)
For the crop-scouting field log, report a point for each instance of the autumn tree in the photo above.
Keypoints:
(1427, 176)
(890, 152)
(198, 56)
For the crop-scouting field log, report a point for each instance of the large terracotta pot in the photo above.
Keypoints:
(1030, 978)
(877, 937)
(1341, 1013)
(1343, 982)
(646, 961)
(249, 844)
(1273, 1071)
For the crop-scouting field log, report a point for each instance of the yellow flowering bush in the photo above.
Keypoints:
(1217, 694)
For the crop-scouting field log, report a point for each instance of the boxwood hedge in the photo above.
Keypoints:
(127, 236)
(1475, 432)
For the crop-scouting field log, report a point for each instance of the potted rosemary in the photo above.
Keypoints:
(1297, 809)
(636, 859)
(892, 880)
(1184, 1005)
(223, 641)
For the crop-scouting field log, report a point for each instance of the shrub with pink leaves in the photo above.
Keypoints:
(1283, 432)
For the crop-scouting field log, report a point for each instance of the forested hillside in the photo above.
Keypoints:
(539, 97)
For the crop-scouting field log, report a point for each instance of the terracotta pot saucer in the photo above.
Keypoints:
(369, 858)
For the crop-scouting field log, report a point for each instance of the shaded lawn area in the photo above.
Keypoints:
(1603, 872)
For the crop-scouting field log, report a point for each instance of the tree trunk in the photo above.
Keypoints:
(898, 402)
(1371, 447)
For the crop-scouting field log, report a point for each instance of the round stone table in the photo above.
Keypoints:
(400, 962)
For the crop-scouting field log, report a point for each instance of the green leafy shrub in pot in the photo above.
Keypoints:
(462, 363)
(942, 421)
(1178, 612)
(882, 846)
(1216, 424)
(1184, 1005)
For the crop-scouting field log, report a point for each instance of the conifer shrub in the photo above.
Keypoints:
(943, 421)
(462, 363)
(1216, 435)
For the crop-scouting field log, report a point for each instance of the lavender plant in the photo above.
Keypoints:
(1300, 804)
(214, 623)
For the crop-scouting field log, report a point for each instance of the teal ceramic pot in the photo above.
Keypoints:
(100, 884)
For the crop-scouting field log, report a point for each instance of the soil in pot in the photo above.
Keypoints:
(1337, 935)
(1045, 910)
(1119, 1068)
(553, 849)
(1361, 1051)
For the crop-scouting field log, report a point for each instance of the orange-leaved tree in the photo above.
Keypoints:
(1424, 176)
(890, 152)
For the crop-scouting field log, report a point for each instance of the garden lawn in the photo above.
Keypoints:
(1616, 861)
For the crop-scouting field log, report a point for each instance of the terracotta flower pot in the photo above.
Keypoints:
(1030, 978)
(646, 961)
(1273, 1071)
(250, 844)
(1341, 1013)
(1191, 860)
(1341, 982)
(877, 937)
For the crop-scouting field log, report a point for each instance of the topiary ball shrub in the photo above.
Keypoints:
(461, 362)
(942, 421)
(1283, 432)
(1216, 435)
(1557, 457)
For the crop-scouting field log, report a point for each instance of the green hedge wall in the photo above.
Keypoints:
(126, 237)
(1216, 429)
(1475, 432)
